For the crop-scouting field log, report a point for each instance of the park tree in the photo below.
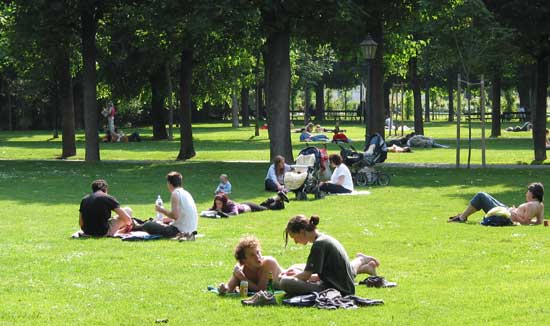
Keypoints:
(138, 55)
(529, 19)
(47, 30)
(90, 13)
(312, 64)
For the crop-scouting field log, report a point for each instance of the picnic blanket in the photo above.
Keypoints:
(132, 236)
(138, 236)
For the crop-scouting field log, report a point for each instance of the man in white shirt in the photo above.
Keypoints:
(182, 219)
(341, 181)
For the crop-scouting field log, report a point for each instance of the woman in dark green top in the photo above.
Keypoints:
(327, 265)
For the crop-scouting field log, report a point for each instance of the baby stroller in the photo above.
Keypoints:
(310, 167)
(362, 165)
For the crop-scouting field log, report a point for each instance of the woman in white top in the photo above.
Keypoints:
(340, 181)
(182, 218)
(275, 178)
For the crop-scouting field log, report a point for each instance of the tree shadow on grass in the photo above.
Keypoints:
(53, 183)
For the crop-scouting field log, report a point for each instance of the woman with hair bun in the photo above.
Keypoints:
(327, 265)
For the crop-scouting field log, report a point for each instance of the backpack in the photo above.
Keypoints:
(495, 220)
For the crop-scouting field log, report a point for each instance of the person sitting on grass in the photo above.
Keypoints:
(308, 136)
(95, 212)
(275, 178)
(252, 267)
(182, 219)
(523, 214)
(341, 181)
(327, 265)
(224, 186)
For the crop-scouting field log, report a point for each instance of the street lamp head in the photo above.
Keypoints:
(368, 48)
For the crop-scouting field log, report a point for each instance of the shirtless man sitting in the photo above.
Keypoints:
(252, 267)
(523, 214)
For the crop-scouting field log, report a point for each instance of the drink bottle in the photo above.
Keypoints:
(159, 203)
(270, 282)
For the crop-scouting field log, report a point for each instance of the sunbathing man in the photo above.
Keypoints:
(252, 267)
(523, 214)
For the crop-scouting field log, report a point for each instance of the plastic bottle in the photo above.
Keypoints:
(270, 282)
(159, 203)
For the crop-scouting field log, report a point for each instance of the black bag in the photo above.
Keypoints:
(495, 220)
(273, 204)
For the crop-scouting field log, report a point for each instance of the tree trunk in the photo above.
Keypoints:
(278, 90)
(495, 115)
(450, 92)
(65, 100)
(258, 98)
(376, 120)
(234, 110)
(170, 102)
(78, 101)
(387, 91)
(415, 85)
(427, 100)
(539, 117)
(307, 100)
(320, 101)
(524, 83)
(244, 107)
(186, 132)
(158, 95)
(89, 29)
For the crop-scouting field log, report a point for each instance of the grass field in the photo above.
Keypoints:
(448, 274)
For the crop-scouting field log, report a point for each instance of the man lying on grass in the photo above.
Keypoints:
(523, 214)
(95, 212)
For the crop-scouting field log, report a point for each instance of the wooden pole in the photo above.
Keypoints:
(482, 109)
(458, 111)
(170, 104)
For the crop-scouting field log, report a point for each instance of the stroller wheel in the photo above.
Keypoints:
(383, 179)
(362, 179)
(300, 195)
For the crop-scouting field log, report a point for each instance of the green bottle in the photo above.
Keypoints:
(270, 282)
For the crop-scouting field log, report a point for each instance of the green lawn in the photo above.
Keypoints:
(448, 274)
(212, 142)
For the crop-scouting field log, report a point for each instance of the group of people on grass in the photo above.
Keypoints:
(327, 266)
(340, 181)
(306, 134)
(181, 220)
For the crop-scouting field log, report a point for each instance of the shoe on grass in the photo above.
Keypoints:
(377, 282)
(283, 196)
(456, 219)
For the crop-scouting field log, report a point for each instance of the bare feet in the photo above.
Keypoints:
(366, 259)
(222, 288)
(368, 268)
(368, 264)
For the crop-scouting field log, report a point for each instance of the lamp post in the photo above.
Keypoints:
(368, 51)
